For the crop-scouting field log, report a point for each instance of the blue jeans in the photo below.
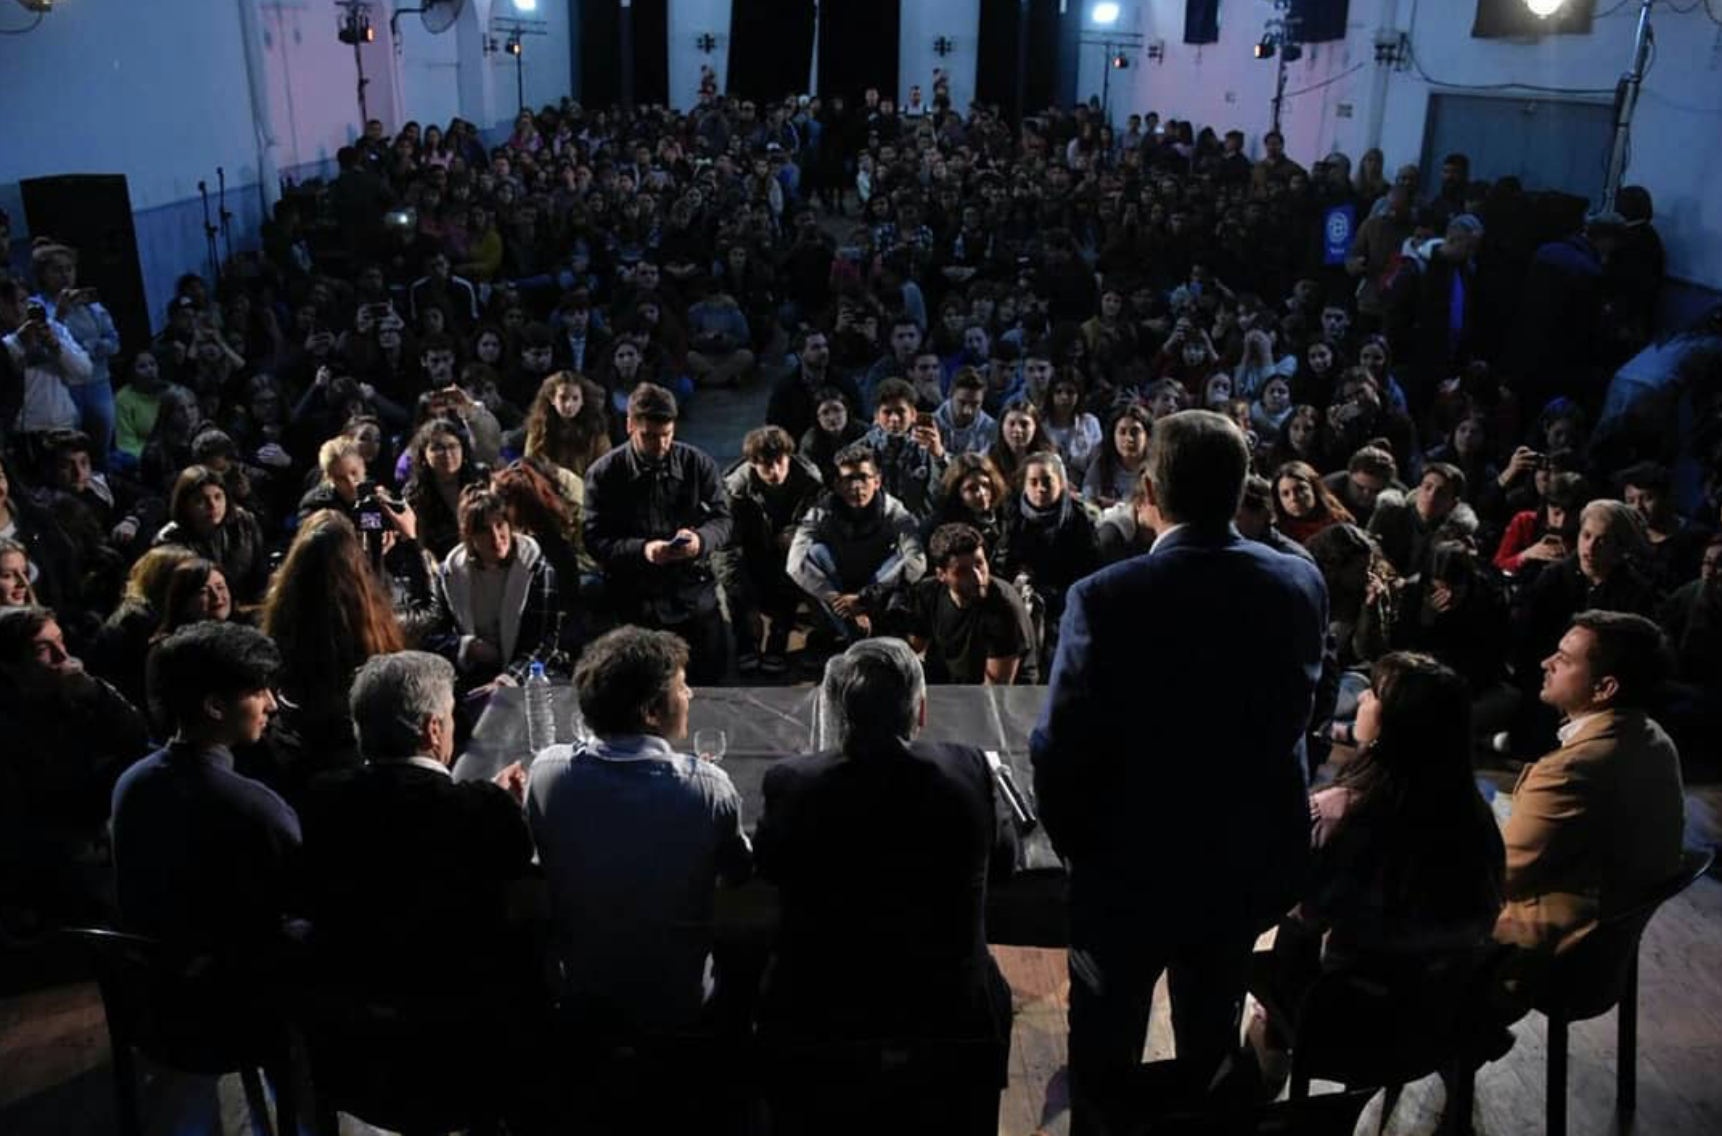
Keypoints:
(95, 402)
(820, 557)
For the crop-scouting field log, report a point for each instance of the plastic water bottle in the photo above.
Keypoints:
(540, 713)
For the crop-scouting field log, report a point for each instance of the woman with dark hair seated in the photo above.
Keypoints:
(1409, 868)
(327, 612)
(441, 471)
(205, 521)
(973, 493)
(1303, 504)
(1118, 465)
(1020, 436)
(1048, 539)
(1548, 533)
(497, 597)
(196, 590)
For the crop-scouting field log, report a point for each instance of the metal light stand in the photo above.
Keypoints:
(1282, 31)
(516, 32)
(225, 216)
(1625, 102)
(1112, 42)
(209, 231)
(352, 22)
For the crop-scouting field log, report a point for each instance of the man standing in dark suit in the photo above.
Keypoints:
(885, 938)
(1183, 845)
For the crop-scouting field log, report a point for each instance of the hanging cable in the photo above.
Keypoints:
(1417, 66)
(27, 28)
(1352, 70)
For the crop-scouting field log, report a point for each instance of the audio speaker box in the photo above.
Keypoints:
(93, 214)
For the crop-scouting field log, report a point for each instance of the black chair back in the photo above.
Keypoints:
(180, 1008)
(1362, 1030)
(1588, 979)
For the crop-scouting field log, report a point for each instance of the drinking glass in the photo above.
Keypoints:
(710, 744)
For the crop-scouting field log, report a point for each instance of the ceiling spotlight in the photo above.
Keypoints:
(1265, 49)
(1543, 9)
(1105, 13)
(1120, 61)
(513, 45)
(526, 5)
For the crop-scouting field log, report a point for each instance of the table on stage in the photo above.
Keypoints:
(765, 724)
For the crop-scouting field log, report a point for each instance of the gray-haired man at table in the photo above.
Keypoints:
(634, 838)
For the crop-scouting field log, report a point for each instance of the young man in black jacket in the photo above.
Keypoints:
(656, 512)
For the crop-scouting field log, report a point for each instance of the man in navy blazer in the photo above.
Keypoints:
(1168, 762)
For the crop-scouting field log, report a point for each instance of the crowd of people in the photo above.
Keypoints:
(426, 440)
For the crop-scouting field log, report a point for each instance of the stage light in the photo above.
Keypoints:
(513, 46)
(1265, 49)
(526, 5)
(1105, 14)
(1120, 61)
(1543, 9)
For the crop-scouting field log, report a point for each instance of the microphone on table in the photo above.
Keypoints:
(1026, 821)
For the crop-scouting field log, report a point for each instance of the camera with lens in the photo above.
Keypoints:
(368, 518)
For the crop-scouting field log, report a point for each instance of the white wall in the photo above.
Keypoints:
(922, 22)
(545, 66)
(690, 19)
(1094, 57)
(1676, 135)
(155, 91)
(430, 72)
(313, 79)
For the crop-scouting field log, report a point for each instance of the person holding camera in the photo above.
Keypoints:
(91, 327)
(45, 351)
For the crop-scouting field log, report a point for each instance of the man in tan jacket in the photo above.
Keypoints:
(1598, 822)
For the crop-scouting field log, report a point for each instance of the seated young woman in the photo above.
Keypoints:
(1408, 868)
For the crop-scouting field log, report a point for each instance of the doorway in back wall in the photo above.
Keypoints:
(1547, 143)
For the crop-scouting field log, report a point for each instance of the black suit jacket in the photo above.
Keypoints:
(405, 877)
(1168, 758)
(883, 861)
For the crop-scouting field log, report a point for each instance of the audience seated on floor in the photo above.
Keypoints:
(856, 547)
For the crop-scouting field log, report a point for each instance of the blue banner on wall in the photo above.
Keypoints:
(1337, 226)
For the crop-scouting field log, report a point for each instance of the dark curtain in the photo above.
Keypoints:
(1201, 21)
(995, 63)
(1317, 21)
(858, 48)
(1511, 18)
(1060, 37)
(600, 33)
(770, 47)
(651, 52)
